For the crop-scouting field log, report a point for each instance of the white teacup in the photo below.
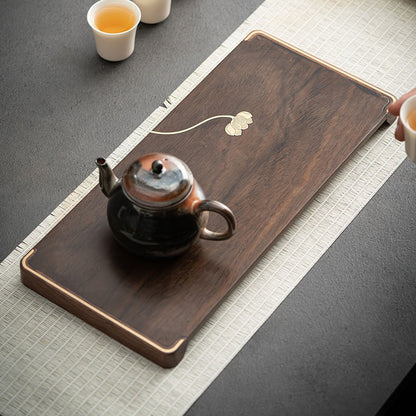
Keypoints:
(154, 11)
(114, 46)
(409, 133)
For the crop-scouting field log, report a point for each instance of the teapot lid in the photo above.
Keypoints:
(157, 180)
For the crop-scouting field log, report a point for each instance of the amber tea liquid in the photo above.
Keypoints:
(114, 19)
(411, 119)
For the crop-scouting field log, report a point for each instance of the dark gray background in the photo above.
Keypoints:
(346, 336)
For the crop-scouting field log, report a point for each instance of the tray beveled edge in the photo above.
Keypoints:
(166, 357)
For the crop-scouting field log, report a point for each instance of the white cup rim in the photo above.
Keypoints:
(93, 9)
(408, 105)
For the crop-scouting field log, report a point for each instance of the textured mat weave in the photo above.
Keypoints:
(53, 363)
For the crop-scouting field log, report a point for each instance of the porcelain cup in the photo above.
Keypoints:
(154, 11)
(409, 134)
(114, 46)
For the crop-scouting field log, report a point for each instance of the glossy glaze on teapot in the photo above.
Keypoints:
(157, 209)
(156, 233)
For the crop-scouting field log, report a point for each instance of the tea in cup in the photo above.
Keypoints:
(114, 24)
(408, 119)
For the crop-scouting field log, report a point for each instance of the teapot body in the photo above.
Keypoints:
(151, 233)
(157, 209)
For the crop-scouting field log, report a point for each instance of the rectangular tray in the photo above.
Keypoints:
(308, 119)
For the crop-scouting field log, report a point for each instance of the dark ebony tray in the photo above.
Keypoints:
(308, 119)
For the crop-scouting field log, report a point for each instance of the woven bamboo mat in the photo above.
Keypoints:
(53, 363)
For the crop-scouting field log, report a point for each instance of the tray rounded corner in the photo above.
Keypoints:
(255, 33)
(170, 357)
(25, 268)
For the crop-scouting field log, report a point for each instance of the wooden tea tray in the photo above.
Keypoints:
(308, 119)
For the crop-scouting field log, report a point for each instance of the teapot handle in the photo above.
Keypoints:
(224, 211)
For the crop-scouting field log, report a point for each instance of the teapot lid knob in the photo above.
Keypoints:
(157, 167)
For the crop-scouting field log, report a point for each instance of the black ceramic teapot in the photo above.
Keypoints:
(157, 209)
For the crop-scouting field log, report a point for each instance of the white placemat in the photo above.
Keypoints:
(53, 363)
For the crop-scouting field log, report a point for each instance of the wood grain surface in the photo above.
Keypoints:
(308, 119)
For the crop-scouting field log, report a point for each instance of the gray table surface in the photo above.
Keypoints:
(342, 340)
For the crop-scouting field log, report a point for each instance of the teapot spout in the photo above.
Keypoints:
(108, 181)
